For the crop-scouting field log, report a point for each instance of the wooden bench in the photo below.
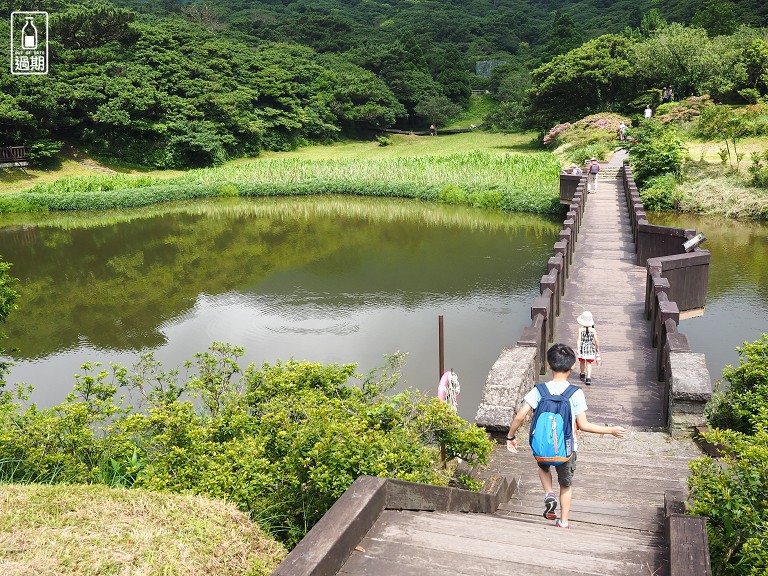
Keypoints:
(13, 157)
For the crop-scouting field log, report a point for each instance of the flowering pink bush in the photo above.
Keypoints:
(589, 130)
(553, 136)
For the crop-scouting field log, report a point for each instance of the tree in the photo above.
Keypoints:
(717, 17)
(651, 22)
(688, 59)
(755, 61)
(595, 77)
(437, 110)
(722, 122)
(565, 35)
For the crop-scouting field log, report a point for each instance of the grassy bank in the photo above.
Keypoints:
(513, 182)
(710, 188)
(60, 530)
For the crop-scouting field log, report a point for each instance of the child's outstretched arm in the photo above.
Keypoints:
(587, 426)
(516, 423)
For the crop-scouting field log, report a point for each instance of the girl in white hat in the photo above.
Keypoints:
(587, 346)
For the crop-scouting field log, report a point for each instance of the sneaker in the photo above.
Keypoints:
(550, 505)
(582, 376)
(561, 525)
(588, 381)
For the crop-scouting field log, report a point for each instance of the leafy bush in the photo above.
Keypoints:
(43, 152)
(383, 141)
(733, 492)
(683, 111)
(748, 390)
(660, 193)
(655, 149)
(281, 441)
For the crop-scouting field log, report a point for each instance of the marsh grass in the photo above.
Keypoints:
(60, 530)
(512, 182)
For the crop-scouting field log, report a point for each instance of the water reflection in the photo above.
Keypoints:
(323, 279)
(737, 294)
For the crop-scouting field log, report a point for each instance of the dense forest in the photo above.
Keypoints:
(171, 83)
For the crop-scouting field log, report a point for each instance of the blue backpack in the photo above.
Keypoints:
(551, 434)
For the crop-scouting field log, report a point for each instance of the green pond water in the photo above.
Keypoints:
(322, 279)
(737, 294)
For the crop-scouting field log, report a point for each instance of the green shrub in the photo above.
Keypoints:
(748, 391)
(281, 441)
(228, 191)
(732, 492)
(383, 141)
(661, 193)
(655, 150)
(452, 194)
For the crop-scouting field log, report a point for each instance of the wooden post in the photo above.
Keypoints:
(440, 346)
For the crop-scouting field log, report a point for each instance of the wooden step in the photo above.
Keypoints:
(426, 544)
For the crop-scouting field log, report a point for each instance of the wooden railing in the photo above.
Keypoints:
(13, 157)
(519, 367)
(325, 548)
(676, 286)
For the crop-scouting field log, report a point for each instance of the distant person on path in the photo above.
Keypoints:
(575, 170)
(587, 346)
(648, 112)
(592, 170)
(433, 130)
(622, 131)
(561, 361)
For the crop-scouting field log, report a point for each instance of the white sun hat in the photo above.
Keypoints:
(586, 319)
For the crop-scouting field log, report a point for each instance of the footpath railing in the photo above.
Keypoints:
(676, 287)
(325, 548)
(518, 367)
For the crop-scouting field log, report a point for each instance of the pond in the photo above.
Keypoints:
(737, 294)
(322, 279)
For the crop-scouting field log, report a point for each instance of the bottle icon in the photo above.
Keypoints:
(29, 34)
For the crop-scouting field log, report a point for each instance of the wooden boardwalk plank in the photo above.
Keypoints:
(605, 280)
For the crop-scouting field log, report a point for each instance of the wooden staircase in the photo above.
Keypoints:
(617, 520)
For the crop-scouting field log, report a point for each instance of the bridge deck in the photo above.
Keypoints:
(617, 512)
(605, 280)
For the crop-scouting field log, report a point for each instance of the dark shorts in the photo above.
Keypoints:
(564, 471)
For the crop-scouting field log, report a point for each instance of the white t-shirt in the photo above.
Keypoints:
(578, 402)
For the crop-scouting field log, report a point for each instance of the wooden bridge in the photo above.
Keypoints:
(628, 493)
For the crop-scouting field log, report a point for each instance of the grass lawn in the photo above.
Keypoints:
(709, 151)
(404, 145)
(14, 180)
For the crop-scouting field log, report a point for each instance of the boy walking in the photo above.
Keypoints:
(561, 360)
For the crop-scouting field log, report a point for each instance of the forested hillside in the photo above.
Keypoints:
(171, 83)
